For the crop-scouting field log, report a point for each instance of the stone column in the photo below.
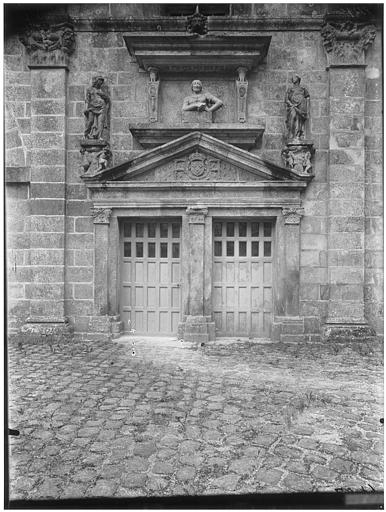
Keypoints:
(288, 325)
(345, 47)
(197, 327)
(49, 68)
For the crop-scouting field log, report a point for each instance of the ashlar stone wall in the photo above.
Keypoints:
(50, 228)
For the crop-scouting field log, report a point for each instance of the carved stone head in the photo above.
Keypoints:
(295, 79)
(196, 86)
(97, 81)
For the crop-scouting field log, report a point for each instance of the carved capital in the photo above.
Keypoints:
(49, 45)
(101, 215)
(196, 214)
(292, 215)
(346, 41)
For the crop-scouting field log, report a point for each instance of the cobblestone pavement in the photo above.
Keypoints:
(235, 417)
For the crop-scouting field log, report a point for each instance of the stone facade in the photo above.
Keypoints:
(63, 222)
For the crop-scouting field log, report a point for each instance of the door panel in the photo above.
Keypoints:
(242, 278)
(150, 276)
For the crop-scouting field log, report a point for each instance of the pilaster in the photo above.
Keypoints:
(288, 325)
(345, 42)
(197, 326)
(48, 49)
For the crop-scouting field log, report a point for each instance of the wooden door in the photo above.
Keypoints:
(242, 277)
(150, 276)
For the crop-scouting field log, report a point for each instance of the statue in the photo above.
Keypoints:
(297, 103)
(201, 101)
(97, 106)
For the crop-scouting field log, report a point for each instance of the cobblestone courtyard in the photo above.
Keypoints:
(233, 417)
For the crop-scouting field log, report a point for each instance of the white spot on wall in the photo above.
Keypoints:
(372, 73)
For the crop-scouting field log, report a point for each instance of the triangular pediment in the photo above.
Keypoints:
(197, 157)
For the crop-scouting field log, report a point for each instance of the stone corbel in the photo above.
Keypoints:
(152, 90)
(101, 215)
(292, 215)
(49, 45)
(242, 90)
(196, 214)
(297, 156)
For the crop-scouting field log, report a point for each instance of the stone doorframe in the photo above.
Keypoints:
(196, 263)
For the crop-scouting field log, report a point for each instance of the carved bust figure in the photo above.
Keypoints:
(97, 106)
(201, 101)
(297, 103)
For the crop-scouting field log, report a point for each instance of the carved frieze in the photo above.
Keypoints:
(101, 215)
(292, 215)
(346, 41)
(49, 45)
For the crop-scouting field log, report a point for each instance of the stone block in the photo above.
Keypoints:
(53, 156)
(17, 93)
(46, 240)
(79, 307)
(353, 106)
(348, 224)
(84, 225)
(309, 291)
(74, 192)
(83, 291)
(75, 125)
(309, 259)
(80, 241)
(49, 173)
(346, 140)
(313, 242)
(84, 257)
(48, 107)
(313, 225)
(345, 258)
(346, 275)
(45, 256)
(40, 123)
(47, 190)
(47, 141)
(313, 275)
(374, 259)
(374, 89)
(314, 308)
(15, 192)
(79, 208)
(342, 157)
(79, 274)
(48, 83)
(44, 291)
(311, 325)
(346, 241)
(76, 92)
